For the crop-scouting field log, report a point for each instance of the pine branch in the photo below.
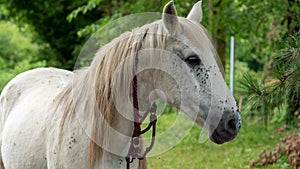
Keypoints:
(285, 85)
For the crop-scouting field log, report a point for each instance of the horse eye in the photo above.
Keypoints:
(193, 60)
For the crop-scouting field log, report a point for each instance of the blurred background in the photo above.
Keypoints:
(36, 33)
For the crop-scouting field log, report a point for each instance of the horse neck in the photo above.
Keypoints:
(123, 124)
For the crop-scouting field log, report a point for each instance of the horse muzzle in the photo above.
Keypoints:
(227, 129)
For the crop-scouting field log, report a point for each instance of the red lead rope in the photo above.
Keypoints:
(134, 151)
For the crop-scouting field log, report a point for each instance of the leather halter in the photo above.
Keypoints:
(135, 151)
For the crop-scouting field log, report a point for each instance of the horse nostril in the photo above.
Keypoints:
(231, 124)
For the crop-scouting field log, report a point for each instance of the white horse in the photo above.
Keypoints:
(53, 118)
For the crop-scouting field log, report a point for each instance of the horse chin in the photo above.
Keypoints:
(218, 138)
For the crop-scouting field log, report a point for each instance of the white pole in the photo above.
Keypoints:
(232, 64)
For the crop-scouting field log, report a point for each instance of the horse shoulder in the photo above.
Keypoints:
(27, 81)
(23, 105)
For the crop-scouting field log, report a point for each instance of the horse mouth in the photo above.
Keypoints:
(218, 139)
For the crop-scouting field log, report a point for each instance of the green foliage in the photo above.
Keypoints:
(286, 69)
(17, 53)
(3, 11)
(15, 47)
(283, 85)
(115, 10)
(258, 25)
(92, 4)
(48, 19)
(258, 29)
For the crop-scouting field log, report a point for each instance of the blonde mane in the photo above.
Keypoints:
(92, 87)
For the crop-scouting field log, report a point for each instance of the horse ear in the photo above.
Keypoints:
(196, 13)
(169, 17)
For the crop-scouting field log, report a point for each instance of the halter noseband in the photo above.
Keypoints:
(134, 151)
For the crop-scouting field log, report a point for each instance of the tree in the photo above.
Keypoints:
(258, 25)
(283, 86)
(183, 7)
(48, 18)
(17, 53)
(292, 16)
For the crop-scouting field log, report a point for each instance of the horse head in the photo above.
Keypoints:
(186, 72)
(204, 93)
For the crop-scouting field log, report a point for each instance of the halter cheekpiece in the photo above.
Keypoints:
(135, 151)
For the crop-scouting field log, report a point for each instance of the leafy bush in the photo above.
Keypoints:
(17, 52)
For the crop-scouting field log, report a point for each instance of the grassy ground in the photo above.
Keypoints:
(191, 154)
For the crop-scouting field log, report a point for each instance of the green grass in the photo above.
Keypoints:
(191, 154)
